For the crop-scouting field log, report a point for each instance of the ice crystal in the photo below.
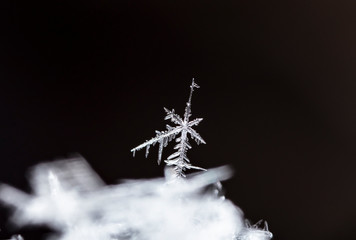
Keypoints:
(178, 160)
(256, 231)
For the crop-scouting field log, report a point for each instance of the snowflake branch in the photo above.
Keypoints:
(179, 158)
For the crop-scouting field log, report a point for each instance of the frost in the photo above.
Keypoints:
(178, 160)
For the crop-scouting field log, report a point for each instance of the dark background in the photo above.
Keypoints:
(278, 83)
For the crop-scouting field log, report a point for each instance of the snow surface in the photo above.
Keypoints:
(72, 199)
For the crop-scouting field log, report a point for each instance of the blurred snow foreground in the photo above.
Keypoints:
(70, 197)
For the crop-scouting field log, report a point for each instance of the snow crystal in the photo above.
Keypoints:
(178, 160)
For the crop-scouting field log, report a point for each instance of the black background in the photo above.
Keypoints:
(278, 83)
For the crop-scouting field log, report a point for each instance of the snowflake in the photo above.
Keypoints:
(178, 160)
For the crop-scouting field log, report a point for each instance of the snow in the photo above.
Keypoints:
(178, 160)
(71, 198)
(79, 206)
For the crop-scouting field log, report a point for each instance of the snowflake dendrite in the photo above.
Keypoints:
(184, 127)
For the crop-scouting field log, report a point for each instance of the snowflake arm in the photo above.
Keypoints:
(194, 135)
(194, 122)
(162, 138)
(175, 118)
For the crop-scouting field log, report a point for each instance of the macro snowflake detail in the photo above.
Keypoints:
(178, 159)
(71, 198)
